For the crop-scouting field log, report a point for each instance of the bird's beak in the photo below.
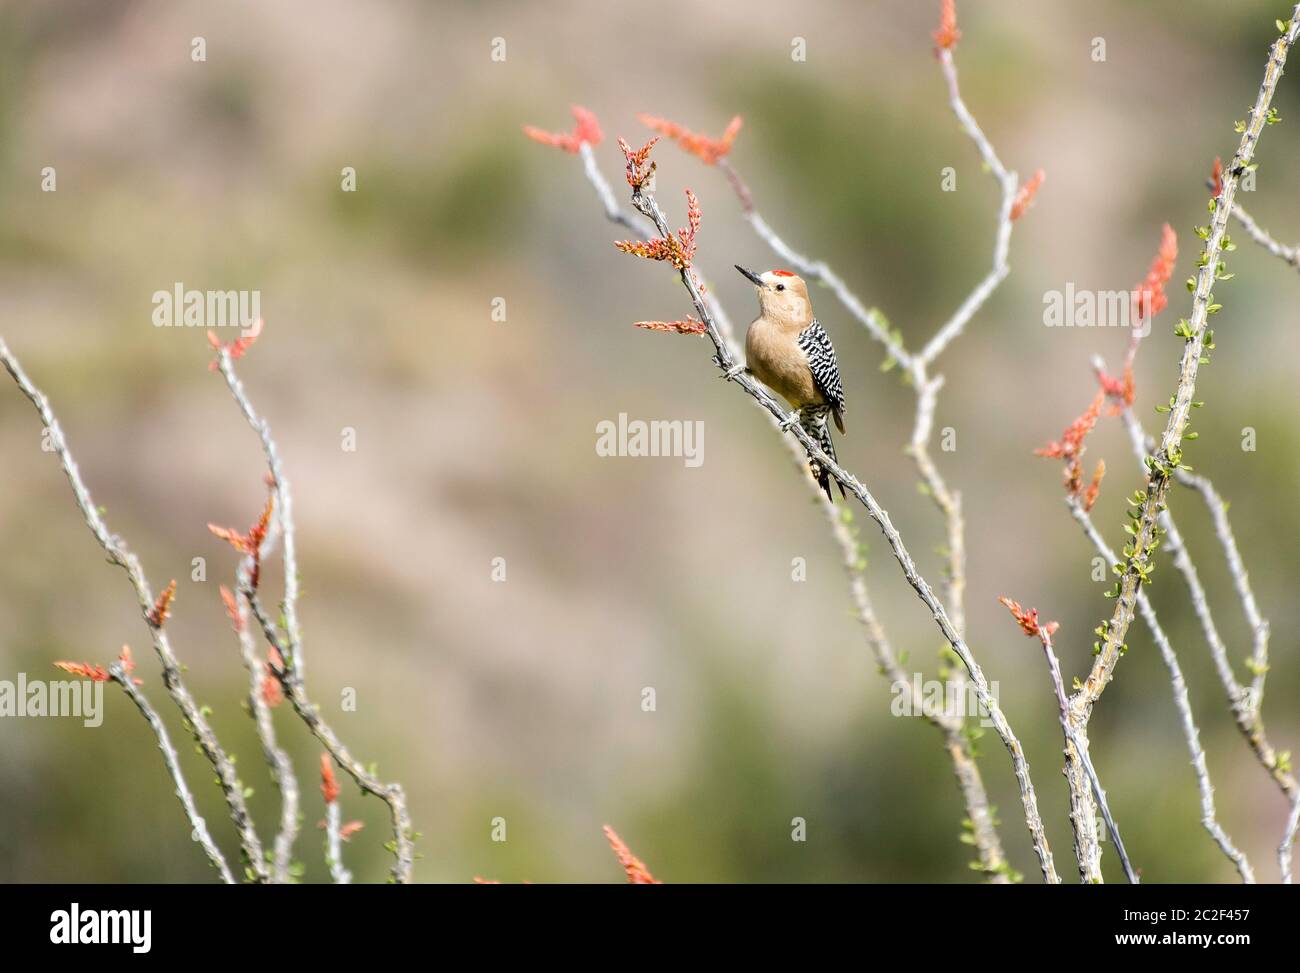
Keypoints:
(751, 275)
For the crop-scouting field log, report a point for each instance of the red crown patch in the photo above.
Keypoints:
(783, 273)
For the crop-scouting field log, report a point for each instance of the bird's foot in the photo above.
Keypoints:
(733, 371)
(790, 421)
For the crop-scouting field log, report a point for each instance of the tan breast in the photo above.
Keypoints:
(778, 362)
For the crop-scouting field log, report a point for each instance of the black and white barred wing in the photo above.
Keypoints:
(816, 344)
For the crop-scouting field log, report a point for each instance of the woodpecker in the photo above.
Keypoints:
(791, 353)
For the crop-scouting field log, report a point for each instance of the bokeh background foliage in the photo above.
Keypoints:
(476, 438)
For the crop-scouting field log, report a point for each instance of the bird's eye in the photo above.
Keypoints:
(780, 287)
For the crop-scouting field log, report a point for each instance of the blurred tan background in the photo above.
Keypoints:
(476, 439)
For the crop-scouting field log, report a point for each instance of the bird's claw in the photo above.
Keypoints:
(789, 421)
(733, 371)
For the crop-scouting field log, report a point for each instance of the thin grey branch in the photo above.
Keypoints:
(283, 506)
(1080, 746)
(1289, 255)
(604, 193)
(1009, 182)
(1241, 580)
(281, 768)
(198, 827)
(334, 841)
(1182, 701)
(1288, 841)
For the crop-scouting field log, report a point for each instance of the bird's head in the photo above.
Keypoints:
(782, 296)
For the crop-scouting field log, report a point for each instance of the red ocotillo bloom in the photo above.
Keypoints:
(637, 873)
(1025, 197)
(947, 36)
(98, 673)
(85, 669)
(1094, 488)
(162, 607)
(585, 129)
(250, 543)
(1028, 619)
(329, 785)
(1149, 299)
(678, 250)
(707, 150)
(232, 608)
(238, 346)
(1151, 292)
(1070, 448)
(272, 693)
(1121, 390)
(689, 326)
(638, 173)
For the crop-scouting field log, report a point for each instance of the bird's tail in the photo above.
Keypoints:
(814, 421)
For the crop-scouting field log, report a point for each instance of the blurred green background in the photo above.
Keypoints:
(475, 437)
